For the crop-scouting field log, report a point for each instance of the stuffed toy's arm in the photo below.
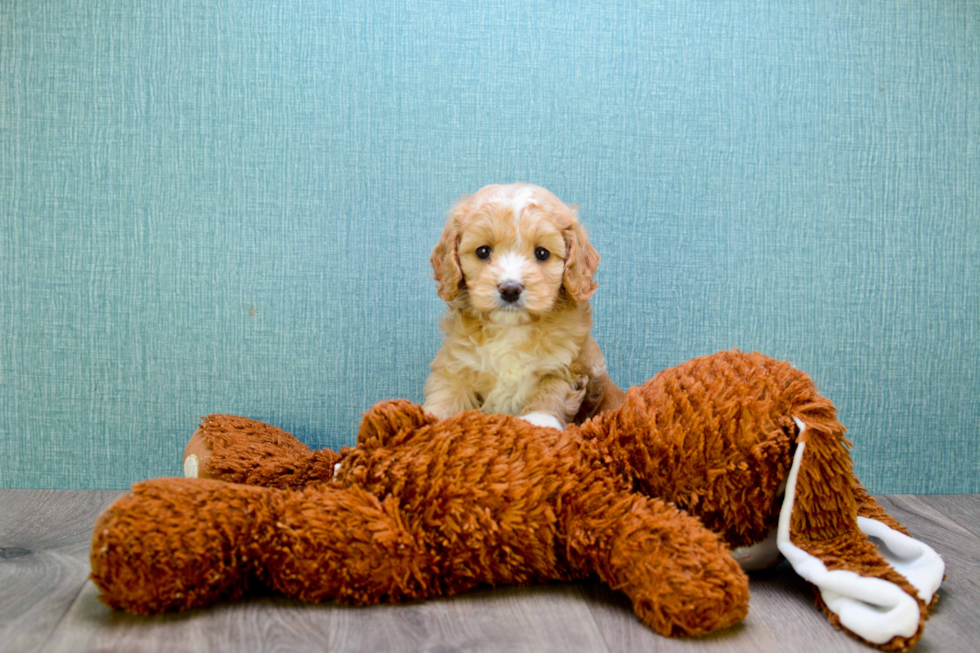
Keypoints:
(240, 450)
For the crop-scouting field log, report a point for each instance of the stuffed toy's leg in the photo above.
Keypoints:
(178, 544)
(680, 577)
(872, 578)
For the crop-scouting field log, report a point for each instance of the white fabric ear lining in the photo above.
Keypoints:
(917, 561)
(872, 608)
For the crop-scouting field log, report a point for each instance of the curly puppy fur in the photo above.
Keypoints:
(516, 268)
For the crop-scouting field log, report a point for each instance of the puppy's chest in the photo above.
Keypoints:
(514, 357)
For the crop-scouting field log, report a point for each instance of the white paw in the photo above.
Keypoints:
(761, 555)
(190, 466)
(543, 419)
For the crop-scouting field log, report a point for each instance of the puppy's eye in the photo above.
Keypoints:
(483, 252)
(541, 254)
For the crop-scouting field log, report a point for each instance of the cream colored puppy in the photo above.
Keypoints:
(516, 268)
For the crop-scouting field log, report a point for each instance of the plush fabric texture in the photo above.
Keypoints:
(228, 207)
(253, 453)
(423, 508)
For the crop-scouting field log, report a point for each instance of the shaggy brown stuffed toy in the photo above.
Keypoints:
(728, 458)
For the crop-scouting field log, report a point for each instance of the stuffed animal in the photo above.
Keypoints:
(727, 457)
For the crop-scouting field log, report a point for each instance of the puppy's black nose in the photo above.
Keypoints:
(510, 291)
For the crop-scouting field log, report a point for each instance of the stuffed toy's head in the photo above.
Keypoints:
(727, 459)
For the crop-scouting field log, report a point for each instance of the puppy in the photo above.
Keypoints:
(516, 268)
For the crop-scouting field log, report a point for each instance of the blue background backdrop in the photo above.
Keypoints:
(230, 207)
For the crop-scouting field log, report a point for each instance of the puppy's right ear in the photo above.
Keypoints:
(445, 256)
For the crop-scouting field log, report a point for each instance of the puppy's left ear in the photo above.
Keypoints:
(581, 262)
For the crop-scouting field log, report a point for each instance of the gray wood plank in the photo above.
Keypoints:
(782, 617)
(963, 510)
(44, 542)
(47, 604)
(954, 624)
(550, 618)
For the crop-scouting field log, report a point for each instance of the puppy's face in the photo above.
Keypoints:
(512, 251)
(513, 258)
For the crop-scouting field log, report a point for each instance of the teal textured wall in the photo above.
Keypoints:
(228, 207)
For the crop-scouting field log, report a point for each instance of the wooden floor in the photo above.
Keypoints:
(47, 603)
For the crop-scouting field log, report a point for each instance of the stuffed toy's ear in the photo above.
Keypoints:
(873, 580)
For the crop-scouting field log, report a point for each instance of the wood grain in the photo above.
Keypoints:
(44, 537)
(949, 524)
(550, 618)
(46, 603)
(959, 510)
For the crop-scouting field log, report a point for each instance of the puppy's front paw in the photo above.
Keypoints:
(543, 419)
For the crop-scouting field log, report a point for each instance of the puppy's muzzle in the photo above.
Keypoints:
(510, 291)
